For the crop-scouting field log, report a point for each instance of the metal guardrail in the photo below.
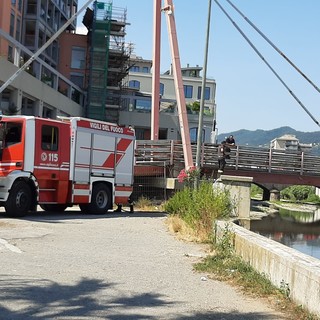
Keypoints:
(241, 157)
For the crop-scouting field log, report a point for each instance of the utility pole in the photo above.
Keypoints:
(203, 88)
(156, 70)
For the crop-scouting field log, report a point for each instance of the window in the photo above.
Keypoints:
(206, 93)
(10, 54)
(32, 7)
(18, 27)
(143, 104)
(75, 95)
(145, 69)
(42, 13)
(12, 24)
(187, 91)
(46, 112)
(139, 133)
(161, 89)
(134, 84)
(20, 5)
(77, 78)
(30, 34)
(78, 55)
(55, 50)
(13, 2)
(135, 69)
(49, 138)
(194, 134)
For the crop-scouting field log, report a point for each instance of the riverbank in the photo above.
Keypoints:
(260, 208)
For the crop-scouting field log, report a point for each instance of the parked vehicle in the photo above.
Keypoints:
(64, 162)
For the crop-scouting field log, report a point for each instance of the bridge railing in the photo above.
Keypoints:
(241, 157)
(157, 150)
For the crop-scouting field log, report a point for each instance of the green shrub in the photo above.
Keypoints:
(196, 106)
(201, 206)
(297, 193)
(313, 198)
(255, 191)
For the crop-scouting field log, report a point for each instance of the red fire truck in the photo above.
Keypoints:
(64, 162)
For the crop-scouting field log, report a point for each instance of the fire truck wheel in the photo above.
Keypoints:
(100, 200)
(53, 207)
(19, 200)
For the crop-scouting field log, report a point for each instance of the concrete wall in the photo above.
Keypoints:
(281, 264)
(239, 188)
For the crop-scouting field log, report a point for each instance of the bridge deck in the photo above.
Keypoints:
(264, 164)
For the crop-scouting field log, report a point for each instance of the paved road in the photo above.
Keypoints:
(117, 266)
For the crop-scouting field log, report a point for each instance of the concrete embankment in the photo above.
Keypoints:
(286, 268)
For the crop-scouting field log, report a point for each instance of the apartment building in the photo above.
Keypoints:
(41, 20)
(40, 90)
(289, 142)
(136, 110)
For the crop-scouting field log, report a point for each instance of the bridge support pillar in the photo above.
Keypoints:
(239, 188)
(274, 195)
(266, 194)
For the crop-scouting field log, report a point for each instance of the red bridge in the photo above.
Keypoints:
(270, 169)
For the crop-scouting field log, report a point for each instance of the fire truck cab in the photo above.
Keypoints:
(64, 162)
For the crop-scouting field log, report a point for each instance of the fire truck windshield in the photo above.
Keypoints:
(10, 133)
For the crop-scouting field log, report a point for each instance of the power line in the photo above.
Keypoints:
(266, 62)
(274, 46)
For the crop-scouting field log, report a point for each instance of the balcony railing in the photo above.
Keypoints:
(70, 89)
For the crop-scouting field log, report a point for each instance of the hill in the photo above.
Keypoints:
(262, 138)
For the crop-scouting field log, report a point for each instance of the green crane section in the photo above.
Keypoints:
(99, 56)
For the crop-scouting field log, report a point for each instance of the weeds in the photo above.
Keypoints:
(180, 228)
(198, 208)
(145, 204)
(285, 289)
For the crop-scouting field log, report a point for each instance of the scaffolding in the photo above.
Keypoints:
(99, 56)
(108, 59)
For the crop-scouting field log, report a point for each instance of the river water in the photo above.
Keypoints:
(299, 230)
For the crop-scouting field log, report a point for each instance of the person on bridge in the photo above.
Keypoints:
(221, 156)
(230, 141)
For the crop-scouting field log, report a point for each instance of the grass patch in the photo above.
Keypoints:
(145, 204)
(183, 231)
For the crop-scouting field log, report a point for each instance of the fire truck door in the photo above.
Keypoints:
(94, 155)
(51, 164)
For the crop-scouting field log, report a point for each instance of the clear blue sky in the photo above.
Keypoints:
(248, 95)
